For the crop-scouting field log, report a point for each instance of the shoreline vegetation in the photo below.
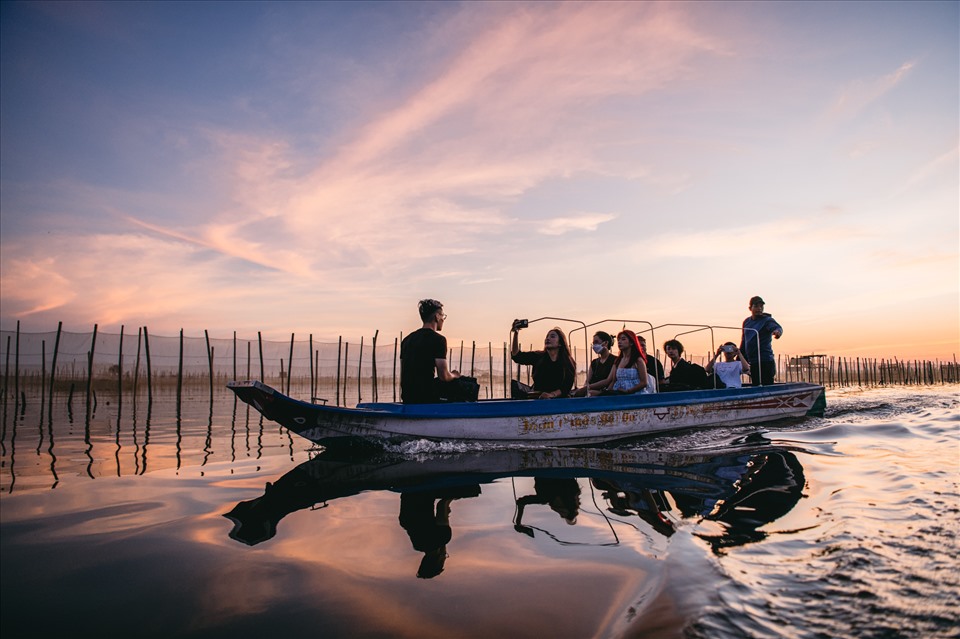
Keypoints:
(343, 373)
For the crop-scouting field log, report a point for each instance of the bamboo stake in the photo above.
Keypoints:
(375, 394)
(180, 373)
(146, 350)
(260, 345)
(206, 336)
(53, 364)
(290, 365)
(93, 346)
(339, 343)
(360, 371)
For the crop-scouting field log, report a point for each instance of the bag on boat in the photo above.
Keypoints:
(519, 390)
(461, 389)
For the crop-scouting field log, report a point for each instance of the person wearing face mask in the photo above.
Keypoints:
(629, 374)
(554, 371)
(601, 366)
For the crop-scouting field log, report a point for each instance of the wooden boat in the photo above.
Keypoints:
(555, 422)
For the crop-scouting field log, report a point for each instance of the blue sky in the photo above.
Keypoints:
(319, 167)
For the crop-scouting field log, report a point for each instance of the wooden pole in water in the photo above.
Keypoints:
(16, 367)
(395, 343)
(53, 364)
(473, 355)
(234, 355)
(206, 335)
(506, 371)
(313, 389)
(260, 346)
(43, 377)
(346, 362)
(6, 370)
(460, 367)
(93, 346)
(339, 344)
(249, 358)
(290, 364)
(374, 367)
(490, 387)
(180, 373)
(360, 372)
(146, 350)
(136, 369)
(120, 368)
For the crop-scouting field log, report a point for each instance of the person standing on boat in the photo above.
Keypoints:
(629, 374)
(554, 371)
(763, 365)
(421, 353)
(729, 370)
(600, 367)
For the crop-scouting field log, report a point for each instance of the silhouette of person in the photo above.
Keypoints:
(426, 518)
(561, 494)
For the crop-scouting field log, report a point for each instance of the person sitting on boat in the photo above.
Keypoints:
(600, 367)
(757, 331)
(554, 371)
(683, 374)
(629, 374)
(654, 367)
(729, 370)
(422, 352)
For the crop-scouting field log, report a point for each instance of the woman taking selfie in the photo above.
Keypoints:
(554, 370)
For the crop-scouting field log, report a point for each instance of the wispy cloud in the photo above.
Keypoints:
(861, 93)
(584, 222)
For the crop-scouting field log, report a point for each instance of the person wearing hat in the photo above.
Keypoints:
(756, 343)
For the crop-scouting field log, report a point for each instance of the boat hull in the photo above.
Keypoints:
(560, 422)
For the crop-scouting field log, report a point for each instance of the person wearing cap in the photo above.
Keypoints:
(758, 329)
(421, 353)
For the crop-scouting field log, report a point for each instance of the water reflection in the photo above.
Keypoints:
(741, 487)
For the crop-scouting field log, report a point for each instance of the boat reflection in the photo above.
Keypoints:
(742, 486)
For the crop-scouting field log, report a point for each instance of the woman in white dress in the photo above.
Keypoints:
(629, 374)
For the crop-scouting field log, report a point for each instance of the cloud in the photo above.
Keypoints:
(860, 94)
(584, 222)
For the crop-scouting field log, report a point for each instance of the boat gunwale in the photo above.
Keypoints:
(494, 408)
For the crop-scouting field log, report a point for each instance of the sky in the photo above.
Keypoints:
(320, 167)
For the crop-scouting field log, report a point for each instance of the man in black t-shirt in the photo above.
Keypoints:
(422, 352)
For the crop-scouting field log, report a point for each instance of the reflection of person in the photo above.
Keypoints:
(422, 352)
(554, 370)
(763, 366)
(561, 494)
(648, 504)
(629, 375)
(600, 367)
(683, 374)
(429, 527)
(729, 370)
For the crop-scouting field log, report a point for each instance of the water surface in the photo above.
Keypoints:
(214, 523)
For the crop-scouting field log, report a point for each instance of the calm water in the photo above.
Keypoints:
(841, 526)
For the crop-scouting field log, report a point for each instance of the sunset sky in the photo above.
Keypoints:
(319, 167)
